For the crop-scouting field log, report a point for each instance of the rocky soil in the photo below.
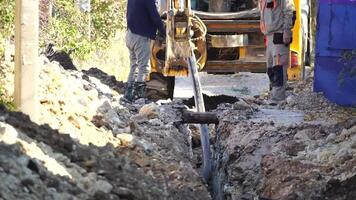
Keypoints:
(89, 144)
(302, 149)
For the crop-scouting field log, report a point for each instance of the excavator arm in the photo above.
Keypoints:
(183, 53)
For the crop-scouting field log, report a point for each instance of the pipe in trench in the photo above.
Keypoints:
(199, 104)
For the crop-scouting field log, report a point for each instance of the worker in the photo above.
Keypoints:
(143, 21)
(277, 21)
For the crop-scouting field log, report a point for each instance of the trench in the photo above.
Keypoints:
(211, 103)
(218, 185)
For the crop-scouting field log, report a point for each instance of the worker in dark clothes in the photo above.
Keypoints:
(143, 21)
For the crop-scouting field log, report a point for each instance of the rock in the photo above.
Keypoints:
(146, 113)
(92, 94)
(102, 186)
(290, 100)
(292, 148)
(83, 102)
(125, 193)
(353, 142)
(32, 165)
(127, 129)
(119, 123)
(343, 155)
(99, 195)
(8, 134)
(126, 139)
(345, 133)
(105, 107)
(99, 121)
(114, 120)
(140, 102)
(302, 135)
(150, 111)
(27, 181)
(352, 130)
(331, 138)
(156, 122)
(117, 131)
(111, 115)
(147, 147)
(241, 105)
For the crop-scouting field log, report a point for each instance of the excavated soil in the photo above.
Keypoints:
(89, 144)
(302, 149)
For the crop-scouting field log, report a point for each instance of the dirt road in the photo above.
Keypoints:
(238, 85)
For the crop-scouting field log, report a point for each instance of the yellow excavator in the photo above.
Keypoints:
(216, 36)
(225, 38)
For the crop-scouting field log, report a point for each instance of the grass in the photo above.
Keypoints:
(114, 61)
(6, 100)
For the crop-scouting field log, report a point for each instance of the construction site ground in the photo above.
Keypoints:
(89, 144)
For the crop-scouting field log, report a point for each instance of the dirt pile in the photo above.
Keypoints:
(88, 144)
(303, 149)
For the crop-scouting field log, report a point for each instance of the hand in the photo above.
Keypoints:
(160, 40)
(287, 37)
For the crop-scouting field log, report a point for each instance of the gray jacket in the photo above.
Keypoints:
(276, 15)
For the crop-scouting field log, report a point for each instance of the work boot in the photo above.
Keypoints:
(140, 90)
(129, 92)
(272, 102)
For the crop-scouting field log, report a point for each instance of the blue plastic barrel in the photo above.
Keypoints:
(335, 64)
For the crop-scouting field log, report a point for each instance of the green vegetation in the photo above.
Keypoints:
(83, 32)
(96, 38)
(63, 23)
(5, 99)
(7, 15)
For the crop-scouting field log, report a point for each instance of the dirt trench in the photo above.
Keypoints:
(304, 149)
(92, 145)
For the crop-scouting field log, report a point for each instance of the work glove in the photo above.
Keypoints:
(287, 37)
(160, 39)
(164, 15)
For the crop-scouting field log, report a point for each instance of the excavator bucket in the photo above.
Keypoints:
(177, 38)
(184, 31)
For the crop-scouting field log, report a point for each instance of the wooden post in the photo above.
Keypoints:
(26, 56)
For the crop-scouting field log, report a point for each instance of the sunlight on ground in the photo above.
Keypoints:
(11, 136)
(52, 165)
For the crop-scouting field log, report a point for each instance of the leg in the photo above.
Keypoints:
(269, 60)
(143, 58)
(133, 68)
(281, 59)
(143, 50)
(130, 44)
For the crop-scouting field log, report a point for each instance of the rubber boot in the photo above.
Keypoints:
(129, 92)
(140, 90)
